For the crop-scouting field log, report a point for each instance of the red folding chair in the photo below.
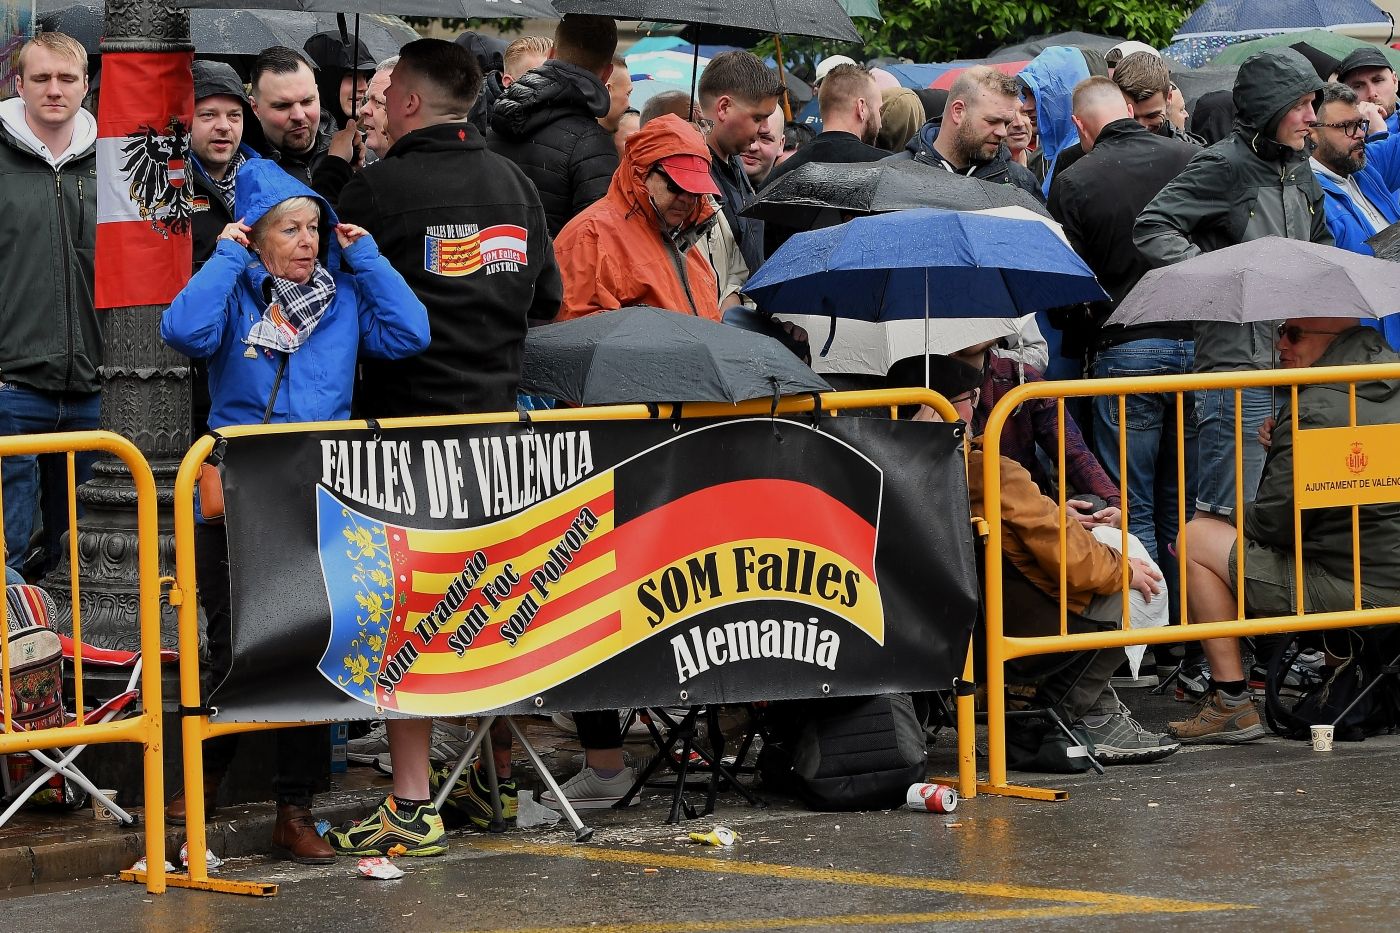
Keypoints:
(37, 656)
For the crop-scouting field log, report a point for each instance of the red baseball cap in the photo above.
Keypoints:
(690, 172)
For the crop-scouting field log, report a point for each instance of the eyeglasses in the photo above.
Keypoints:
(671, 186)
(1349, 127)
(1292, 333)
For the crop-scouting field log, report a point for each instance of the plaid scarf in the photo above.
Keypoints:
(225, 185)
(293, 311)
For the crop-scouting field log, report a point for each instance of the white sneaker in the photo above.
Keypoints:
(587, 791)
(448, 742)
(366, 748)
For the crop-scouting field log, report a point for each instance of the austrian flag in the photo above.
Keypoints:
(143, 201)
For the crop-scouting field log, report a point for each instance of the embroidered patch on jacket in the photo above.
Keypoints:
(462, 249)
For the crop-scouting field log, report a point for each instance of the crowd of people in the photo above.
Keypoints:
(374, 238)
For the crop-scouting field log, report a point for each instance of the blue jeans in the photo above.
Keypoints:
(1215, 412)
(38, 486)
(1152, 440)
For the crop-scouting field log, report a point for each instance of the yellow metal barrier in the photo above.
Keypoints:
(144, 728)
(1002, 648)
(196, 729)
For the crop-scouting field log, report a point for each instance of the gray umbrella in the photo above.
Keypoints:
(818, 193)
(650, 355)
(1265, 280)
(452, 9)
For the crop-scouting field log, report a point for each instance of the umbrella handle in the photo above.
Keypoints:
(782, 78)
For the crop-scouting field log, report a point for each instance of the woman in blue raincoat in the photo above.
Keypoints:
(281, 311)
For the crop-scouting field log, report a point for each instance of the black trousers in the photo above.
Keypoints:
(599, 729)
(302, 752)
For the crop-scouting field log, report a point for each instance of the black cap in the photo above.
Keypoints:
(946, 376)
(330, 51)
(1367, 56)
(211, 78)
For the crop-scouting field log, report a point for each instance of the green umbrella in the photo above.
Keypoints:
(866, 8)
(1332, 43)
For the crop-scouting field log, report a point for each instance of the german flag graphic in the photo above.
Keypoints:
(445, 621)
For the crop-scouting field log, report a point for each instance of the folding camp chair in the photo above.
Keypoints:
(666, 732)
(30, 612)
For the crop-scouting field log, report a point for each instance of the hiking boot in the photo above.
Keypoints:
(1220, 720)
(470, 798)
(588, 791)
(1118, 739)
(175, 809)
(390, 831)
(294, 837)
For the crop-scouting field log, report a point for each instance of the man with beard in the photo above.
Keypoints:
(1368, 72)
(295, 133)
(1358, 179)
(970, 137)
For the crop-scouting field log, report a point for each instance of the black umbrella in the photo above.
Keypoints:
(452, 9)
(231, 32)
(820, 19)
(638, 355)
(817, 194)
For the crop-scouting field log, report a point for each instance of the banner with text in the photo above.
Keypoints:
(593, 564)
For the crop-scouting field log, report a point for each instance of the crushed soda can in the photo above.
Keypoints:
(932, 798)
(211, 861)
(719, 836)
(140, 865)
(379, 868)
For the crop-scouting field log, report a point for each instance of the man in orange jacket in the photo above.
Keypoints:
(637, 246)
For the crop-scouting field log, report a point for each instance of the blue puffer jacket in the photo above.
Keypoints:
(1051, 77)
(1378, 180)
(374, 313)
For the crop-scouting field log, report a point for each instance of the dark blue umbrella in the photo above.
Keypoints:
(1263, 17)
(924, 263)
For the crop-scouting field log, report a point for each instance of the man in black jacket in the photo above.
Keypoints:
(546, 121)
(50, 340)
(466, 230)
(216, 152)
(849, 101)
(293, 130)
(737, 94)
(970, 137)
(1097, 199)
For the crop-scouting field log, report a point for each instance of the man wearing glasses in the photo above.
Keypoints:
(1227, 715)
(1358, 178)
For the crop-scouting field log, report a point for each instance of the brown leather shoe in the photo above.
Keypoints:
(175, 809)
(294, 837)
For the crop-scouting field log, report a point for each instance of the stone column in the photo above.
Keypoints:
(145, 398)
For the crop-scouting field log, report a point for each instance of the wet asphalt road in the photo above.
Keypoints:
(1271, 835)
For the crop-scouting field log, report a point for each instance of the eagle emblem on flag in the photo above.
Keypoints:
(154, 163)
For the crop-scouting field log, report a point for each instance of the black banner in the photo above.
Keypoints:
(593, 564)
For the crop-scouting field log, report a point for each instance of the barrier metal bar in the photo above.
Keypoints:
(144, 728)
(1001, 648)
(195, 726)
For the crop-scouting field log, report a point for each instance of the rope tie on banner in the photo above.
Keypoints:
(817, 410)
(374, 426)
(773, 412)
(183, 710)
(216, 454)
(653, 410)
(676, 418)
(527, 420)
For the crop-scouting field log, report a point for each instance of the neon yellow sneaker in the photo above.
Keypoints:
(388, 831)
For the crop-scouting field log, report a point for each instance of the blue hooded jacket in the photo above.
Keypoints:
(1378, 181)
(374, 312)
(1051, 77)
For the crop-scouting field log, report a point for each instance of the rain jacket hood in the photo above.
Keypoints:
(1268, 84)
(662, 137)
(262, 186)
(1051, 77)
(332, 56)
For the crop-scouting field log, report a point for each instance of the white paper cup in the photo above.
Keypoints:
(1322, 738)
(100, 812)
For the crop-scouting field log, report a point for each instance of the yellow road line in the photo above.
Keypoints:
(841, 920)
(1116, 902)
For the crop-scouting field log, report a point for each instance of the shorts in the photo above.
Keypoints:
(1271, 586)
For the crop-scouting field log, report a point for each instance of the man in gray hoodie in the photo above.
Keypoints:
(1254, 183)
(50, 341)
